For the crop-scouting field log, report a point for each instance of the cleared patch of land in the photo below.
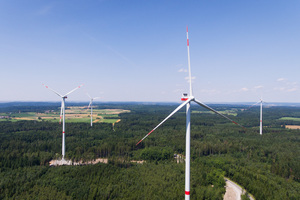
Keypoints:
(72, 115)
(90, 162)
(292, 126)
(69, 162)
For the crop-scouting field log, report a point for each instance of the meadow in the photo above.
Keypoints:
(290, 119)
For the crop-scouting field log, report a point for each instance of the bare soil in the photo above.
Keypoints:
(230, 194)
(292, 126)
(69, 162)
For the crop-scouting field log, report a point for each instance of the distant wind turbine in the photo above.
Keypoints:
(187, 99)
(260, 114)
(91, 105)
(62, 114)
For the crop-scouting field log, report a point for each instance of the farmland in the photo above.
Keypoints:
(74, 114)
(297, 119)
(292, 126)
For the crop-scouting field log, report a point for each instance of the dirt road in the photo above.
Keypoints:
(233, 191)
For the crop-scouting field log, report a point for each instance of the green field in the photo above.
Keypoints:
(72, 115)
(290, 118)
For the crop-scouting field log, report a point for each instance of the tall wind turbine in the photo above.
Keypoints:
(187, 100)
(260, 114)
(62, 114)
(91, 105)
(260, 121)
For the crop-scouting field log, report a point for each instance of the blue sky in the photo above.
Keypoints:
(135, 50)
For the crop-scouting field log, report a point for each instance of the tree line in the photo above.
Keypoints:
(267, 166)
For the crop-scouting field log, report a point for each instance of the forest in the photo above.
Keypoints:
(267, 165)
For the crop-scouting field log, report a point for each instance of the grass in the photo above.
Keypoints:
(108, 115)
(109, 121)
(76, 120)
(27, 114)
(290, 119)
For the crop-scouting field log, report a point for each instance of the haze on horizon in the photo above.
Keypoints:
(136, 50)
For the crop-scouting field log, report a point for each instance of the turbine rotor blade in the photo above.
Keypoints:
(254, 104)
(52, 90)
(90, 104)
(265, 102)
(73, 90)
(209, 108)
(178, 108)
(88, 95)
(189, 60)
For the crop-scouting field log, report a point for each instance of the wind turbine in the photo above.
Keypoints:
(260, 114)
(62, 114)
(260, 121)
(91, 105)
(187, 100)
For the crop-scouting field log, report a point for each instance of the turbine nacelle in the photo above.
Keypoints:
(186, 97)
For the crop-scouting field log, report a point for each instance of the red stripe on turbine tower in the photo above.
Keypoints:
(187, 192)
(63, 132)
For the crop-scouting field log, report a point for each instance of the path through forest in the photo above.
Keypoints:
(233, 191)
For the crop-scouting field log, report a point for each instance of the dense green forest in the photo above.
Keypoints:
(267, 166)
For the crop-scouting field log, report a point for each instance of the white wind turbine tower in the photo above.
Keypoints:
(62, 114)
(91, 105)
(260, 122)
(187, 99)
(260, 114)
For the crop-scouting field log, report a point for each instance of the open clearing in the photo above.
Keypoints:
(69, 162)
(72, 115)
(296, 119)
(292, 126)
